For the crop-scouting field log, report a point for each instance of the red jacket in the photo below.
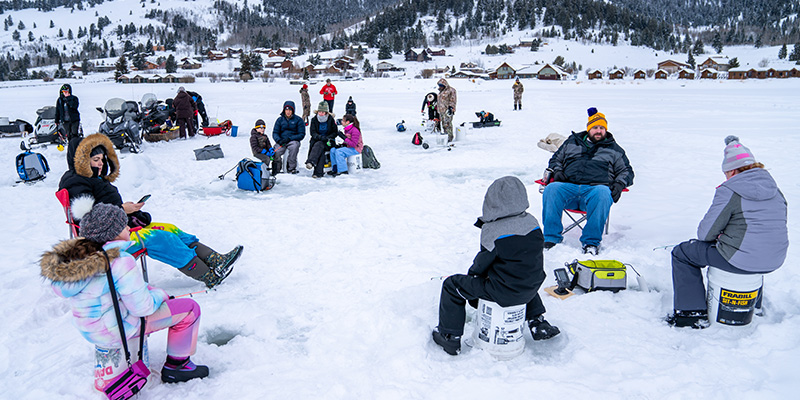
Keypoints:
(328, 91)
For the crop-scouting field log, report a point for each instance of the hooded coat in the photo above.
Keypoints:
(288, 129)
(510, 257)
(82, 179)
(184, 106)
(67, 107)
(77, 273)
(748, 220)
(447, 97)
(587, 163)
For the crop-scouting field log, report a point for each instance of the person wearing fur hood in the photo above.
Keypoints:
(89, 181)
(76, 270)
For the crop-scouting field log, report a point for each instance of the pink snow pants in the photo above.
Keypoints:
(182, 317)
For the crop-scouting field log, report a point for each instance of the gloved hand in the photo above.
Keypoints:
(616, 190)
(559, 176)
(341, 135)
(330, 143)
(449, 110)
(270, 152)
(263, 151)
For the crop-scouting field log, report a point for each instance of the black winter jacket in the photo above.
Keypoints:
(317, 136)
(513, 269)
(67, 109)
(587, 163)
(259, 142)
(83, 179)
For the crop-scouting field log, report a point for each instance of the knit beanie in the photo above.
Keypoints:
(736, 155)
(260, 124)
(596, 119)
(181, 89)
(323, 106)
(103, 223)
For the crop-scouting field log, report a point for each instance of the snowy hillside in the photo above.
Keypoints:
(333, 296)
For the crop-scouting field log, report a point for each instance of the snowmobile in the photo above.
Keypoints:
(14, 128)
(122, 124)
(46, 130)
(155, 115)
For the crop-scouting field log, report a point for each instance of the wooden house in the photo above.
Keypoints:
(672, 66)
(661, 74)
(552, 72)
(616, 74)
(124, 79)
(436, 51)
(215, 55)
(685, 73)
(595, 74)
(418, 55)
(639, 74)
(525, 73)
(504, 71)
(155, 79)
(383, 66)
(717, 62)
(709, 73)
(190, 63)
(737, 73)
(169, 78)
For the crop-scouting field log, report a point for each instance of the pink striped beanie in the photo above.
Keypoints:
(736, 155)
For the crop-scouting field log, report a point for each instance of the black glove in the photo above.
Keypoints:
(616, 190)
(341, 135)
(559, 176)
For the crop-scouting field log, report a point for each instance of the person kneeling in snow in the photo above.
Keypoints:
(744, 232)
(93, 168)
(508, 270)
(77, 268)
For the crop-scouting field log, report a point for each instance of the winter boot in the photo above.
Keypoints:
(222, 264)
(515, 107)
(520, 106)
(197, 269)
(177, 370)
(450, 343)
(697, 319)
(541, 329)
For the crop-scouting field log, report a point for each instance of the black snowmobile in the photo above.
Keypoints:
(154, 113)
(122, 124)
(46, 130)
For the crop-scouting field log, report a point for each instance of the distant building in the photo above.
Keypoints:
(190, 63)
(418, 55)
(737, 73)
(639, 74)
(155, 79)
(717, 62)
(552, 72)
(671, 66)
(435, 51)
(685, 73)
(616, 74)
(595, 74)
(504, 71)
(216, 55)
(709, 73)
(661, 74)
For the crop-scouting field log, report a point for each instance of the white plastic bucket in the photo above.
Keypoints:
(732, 297)
(441, 140)
(461, 134)
(109, 363)
(354, 164)
(499, 330)
(4, 121)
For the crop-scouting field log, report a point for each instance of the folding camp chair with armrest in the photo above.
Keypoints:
(578, 217)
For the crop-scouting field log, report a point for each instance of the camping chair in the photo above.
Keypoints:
(63, 198)
(578, 217)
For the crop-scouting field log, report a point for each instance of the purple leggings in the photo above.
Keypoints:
(182, 317)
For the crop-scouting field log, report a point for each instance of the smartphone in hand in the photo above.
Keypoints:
(143, 199)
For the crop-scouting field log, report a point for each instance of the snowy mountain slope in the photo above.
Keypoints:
(333, 296)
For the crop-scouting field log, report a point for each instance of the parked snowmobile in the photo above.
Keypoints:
(46, 130)
(122, 124)
(156, 122)
(14, 128)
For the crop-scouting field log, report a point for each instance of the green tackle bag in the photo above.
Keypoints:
(593, 275)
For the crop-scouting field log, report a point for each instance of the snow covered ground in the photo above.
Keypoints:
(333, 296)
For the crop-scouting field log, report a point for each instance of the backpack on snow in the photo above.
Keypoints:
(401, 127)
(417, 139)
(253, 176)
(368, 158)
(32, 166)
(593, 275)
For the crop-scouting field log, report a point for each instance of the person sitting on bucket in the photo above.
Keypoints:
(743, 232)
(508, 269)
(76, 270)
(353, 144)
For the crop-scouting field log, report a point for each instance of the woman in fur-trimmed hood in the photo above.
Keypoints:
(83, 179)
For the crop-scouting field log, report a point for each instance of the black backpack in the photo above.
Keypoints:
(417, 139)
(32, 166)
(368, 158)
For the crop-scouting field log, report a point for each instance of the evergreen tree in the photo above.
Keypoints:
(698, 47)
(70, 36)
(256, 63)
(535, 45)
(690, 60)
(15, 36)
(52, 25)
(139, 61)
(85, 66)
(171, 65)
(121, 66)
(795, 56)
(30, 36)
(782, 52)
(245, 70)
(21, 26)
(734, 62)
(384, 53)
(717, 43)
(368, 70)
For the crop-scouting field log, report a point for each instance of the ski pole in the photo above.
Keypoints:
(191, 294)
(221, 177)
(440, 278)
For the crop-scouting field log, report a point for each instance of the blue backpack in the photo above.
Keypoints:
(401, 126)
(253, 176)
(32, 166)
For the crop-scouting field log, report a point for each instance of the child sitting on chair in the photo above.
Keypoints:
(508, 270)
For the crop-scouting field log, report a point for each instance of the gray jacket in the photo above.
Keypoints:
(748, 220)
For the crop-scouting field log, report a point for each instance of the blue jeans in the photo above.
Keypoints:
(339, 157)
(594, 199)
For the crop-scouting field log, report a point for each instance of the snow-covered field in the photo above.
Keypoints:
(333, 296)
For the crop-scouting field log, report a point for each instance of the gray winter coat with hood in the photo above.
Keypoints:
(511, 257)
(748, 220)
